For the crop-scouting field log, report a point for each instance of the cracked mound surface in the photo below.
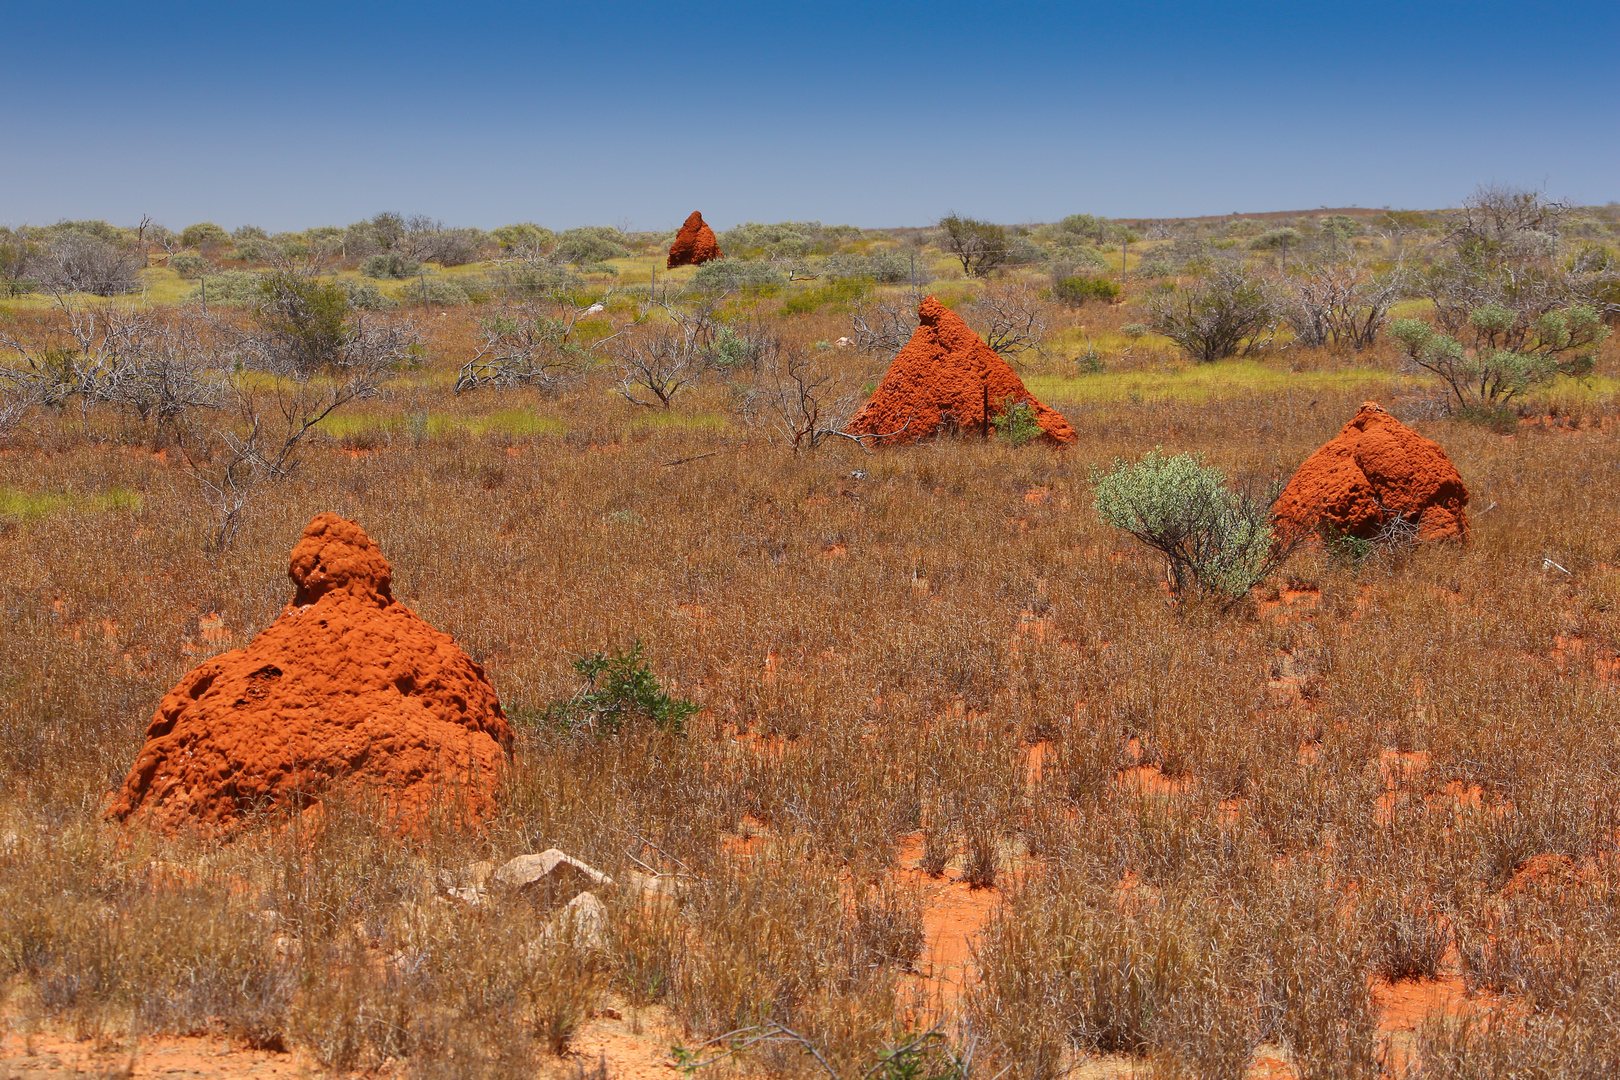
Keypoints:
(695, 244)
(1374, 469)
(946, 378)
(347, 693)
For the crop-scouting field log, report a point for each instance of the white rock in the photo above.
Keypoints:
(663, 885)
(583, 921)
(548, 878)
(471, 885)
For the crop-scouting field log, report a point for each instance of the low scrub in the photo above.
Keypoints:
(1216, 540)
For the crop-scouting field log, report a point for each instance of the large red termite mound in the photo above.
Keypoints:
(947, 379)
(695, 244)
(1374, 472)
(347, 694)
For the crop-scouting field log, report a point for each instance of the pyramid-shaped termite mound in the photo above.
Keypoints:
(947, 379)
(348, 694)
(695, 244)
(1376, 473)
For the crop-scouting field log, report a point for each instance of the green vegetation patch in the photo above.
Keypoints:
(1208, 382)
(503, 421)
(18, 505)
(518, 422)
(666, 419)
(840, 293)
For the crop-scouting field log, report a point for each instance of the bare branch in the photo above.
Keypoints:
(801, 399)
(154, 367)
(1341, 304)
(1010, 317)
(884, 329)
(536, 343)
(662, 361)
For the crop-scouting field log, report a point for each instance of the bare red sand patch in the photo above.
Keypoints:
(1399, 766)
(1035, 762)
(1403, 1006)
(52, 1054)
(1150, 780)
(751, 837)
(1293, 603)
(1541, 874)
(1571, 652)
(954, 918)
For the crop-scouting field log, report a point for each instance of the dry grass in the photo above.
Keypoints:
(875, 655)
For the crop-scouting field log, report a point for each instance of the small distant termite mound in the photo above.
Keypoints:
(947, 379)
(695, 244)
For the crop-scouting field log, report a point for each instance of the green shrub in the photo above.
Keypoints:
(390, 264)
(1216, 318)
(535, 278)
(979, 246)
(1090, 362)
(1273, 239)
(1154, 266)
(1214, 539)
(1015, 422)
(1082, 228)
(733, 275)
(1078, 289)
(433, 289)
(1076, 258)
(786, 238)
(365, 296)
(189, 265)
(1338, 227)
(782, 238)
(253, 250)
(523, 238)
(227, 287)
(306, 318)
(591, 244)
(1592, 258)
(1344, 547)
(619, 690)
(204, 233)
(887, 268)
(732, 351)
(1503, 353)
(836, 292)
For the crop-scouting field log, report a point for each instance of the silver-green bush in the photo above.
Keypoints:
(1215, 539)
(731, 275)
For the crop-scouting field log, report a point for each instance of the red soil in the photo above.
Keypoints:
(954, 918)
(947, 378)
(1372, 470)
(347, 693)
(1545, 874)
(695, 244)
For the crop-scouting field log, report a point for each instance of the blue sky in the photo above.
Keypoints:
(294, 114)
